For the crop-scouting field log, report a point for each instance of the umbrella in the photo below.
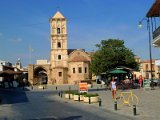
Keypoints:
(9, 72)
(117, 71)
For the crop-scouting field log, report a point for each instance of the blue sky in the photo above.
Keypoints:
(26, 22)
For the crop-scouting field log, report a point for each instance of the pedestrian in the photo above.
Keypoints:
(140, 81)
(113, 88)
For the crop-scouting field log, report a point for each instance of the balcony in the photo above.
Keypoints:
(156, 37)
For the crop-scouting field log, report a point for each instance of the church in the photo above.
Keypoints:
(66, 66)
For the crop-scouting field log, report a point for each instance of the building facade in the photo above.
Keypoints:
(66, 66)
(151, 68)
(153, 15)
(145, 69)
(4, 66)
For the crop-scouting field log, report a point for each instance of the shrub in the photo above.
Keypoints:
(91, 95)
(83, 93)
(71, 92)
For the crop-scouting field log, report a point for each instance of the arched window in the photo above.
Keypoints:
(58, 30)
(85, 69)
(60, 74)
(74, 70)
(59, 57)
(59, 44)
(79, 69)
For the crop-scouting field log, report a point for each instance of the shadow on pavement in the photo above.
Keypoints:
(13, 96)
(53, 118)
(72, 118)
(4, 118)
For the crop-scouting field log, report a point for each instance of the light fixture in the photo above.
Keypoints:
(140, 24)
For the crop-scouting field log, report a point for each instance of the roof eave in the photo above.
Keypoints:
(154, 11)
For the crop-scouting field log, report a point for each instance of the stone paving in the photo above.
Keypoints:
(148, 108)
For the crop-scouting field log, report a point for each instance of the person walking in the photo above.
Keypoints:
(140, 81)
(113, 88)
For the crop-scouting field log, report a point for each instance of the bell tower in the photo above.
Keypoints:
(58, 51)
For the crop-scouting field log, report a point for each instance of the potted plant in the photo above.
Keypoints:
(92, 97)
(78, 96)
(69, 94)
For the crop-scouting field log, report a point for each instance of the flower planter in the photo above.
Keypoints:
(92, 99)
(76, 97)
(66, 95)
(40, 87)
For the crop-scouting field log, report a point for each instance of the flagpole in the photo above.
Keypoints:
(30, 54)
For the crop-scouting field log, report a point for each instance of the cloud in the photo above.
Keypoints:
(16, 40)
(1, 34)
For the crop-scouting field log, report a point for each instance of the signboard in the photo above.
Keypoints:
(157, 62)
(146, 83)
(83, 87)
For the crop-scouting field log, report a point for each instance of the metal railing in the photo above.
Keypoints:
(156, 33)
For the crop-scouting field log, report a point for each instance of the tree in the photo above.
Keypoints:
(110, 54)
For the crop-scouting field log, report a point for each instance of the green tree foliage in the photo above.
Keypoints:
(110, 54)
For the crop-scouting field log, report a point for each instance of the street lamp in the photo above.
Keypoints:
(150, 47)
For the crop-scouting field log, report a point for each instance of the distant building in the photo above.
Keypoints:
(66, 66)
(146, 71)
(18, 64)
(4, 65)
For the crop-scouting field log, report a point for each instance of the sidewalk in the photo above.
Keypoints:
(148, 108)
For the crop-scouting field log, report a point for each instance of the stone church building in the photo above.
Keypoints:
(66, 66)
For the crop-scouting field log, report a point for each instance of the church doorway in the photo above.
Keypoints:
(40, 76)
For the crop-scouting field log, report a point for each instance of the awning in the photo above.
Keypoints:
(154, 11)
(9, 72)
(117, 71)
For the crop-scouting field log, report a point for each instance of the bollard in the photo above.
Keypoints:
(79, 98)
(69, 96)
(32, 87)
(134, 110)
(56, 87)
(89, 100)
(100, 102)
(115, 105)
(61, 94)
(43, 87)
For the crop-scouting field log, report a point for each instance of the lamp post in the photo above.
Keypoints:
(150, 47)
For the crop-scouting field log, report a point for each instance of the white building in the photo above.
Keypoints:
(3, 65)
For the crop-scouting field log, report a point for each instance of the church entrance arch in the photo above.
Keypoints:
(40, 76)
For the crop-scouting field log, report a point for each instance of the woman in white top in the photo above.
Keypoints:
(113, 88)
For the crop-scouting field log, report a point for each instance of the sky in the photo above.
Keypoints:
(25, 23)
